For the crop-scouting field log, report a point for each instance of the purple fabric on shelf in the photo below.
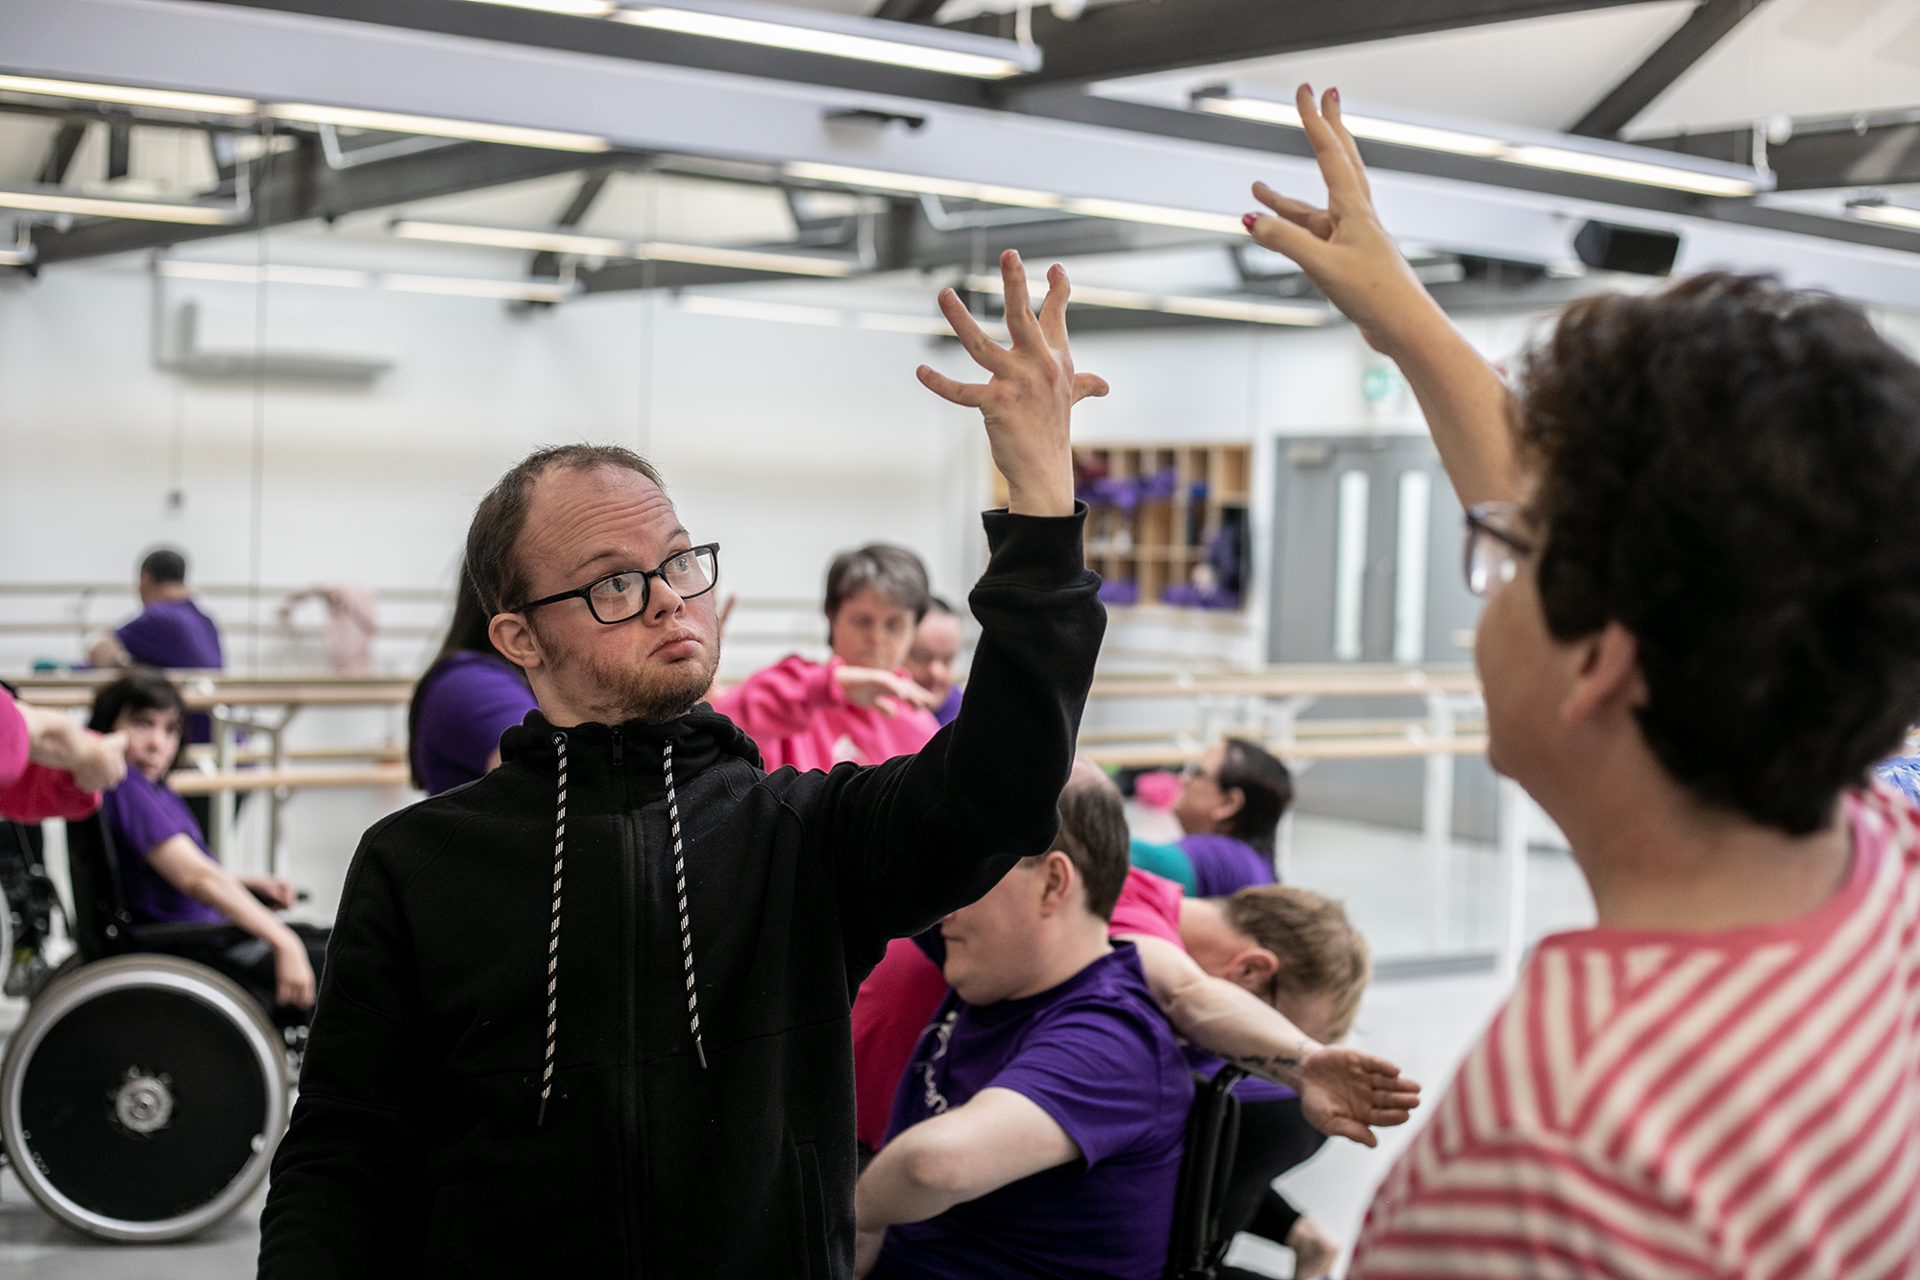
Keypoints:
(141, 816)
(176, 634)
(1107, 1214)
(947, 710)
(1120, 591)
(469, 700)
(1223, 865)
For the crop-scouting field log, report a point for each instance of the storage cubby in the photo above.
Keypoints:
(1158, 513)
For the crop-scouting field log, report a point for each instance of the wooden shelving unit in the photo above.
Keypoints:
(1165, 535)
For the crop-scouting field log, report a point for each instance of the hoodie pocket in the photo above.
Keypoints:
(812, 1216)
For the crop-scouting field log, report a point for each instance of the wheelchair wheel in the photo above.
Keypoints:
(141, 1098)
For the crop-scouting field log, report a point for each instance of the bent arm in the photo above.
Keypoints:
(96, 762)
(182, 865)
(997, 1138)
(1225, 1020)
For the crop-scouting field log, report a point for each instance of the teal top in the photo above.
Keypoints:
(1169, 861)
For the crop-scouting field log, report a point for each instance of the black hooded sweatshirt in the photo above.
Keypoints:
(421, 1143)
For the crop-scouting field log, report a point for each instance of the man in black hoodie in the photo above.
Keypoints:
(588, 1016)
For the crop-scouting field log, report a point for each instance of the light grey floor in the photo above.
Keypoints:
(1424, 1024)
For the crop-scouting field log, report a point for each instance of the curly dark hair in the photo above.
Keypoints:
(1730, 469)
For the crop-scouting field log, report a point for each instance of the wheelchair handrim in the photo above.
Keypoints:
(125, 973)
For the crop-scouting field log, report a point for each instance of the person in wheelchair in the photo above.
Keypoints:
(1040, 1125)
(168, 877)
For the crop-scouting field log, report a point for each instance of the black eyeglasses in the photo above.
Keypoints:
(620, 596)
(1494, 551)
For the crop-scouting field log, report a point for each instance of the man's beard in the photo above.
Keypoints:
(649, 694)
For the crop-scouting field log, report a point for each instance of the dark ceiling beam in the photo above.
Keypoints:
(1818, 157)
(920, 11)
(1704, 28)
(535, 29)
(60, 150)
(546, 263)
(1147, 35)
(293, 186)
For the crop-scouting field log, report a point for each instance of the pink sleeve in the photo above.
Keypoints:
(1149, 905)
(40, 793)
(15, 741)
(781, 700)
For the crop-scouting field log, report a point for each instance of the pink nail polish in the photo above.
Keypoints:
(1335, 95)
(1248, 219)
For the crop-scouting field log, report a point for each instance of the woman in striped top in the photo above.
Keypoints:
(1697, 526)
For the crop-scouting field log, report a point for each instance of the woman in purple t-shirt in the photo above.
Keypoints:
(465, 701)
(166, 874)
(1230, 808)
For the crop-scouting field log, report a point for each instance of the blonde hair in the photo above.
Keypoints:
(1319, 952)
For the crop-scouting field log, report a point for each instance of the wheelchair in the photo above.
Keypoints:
(143, 1094)
(1206, 1166)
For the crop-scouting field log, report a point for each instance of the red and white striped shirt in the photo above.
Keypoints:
(1744, 1103)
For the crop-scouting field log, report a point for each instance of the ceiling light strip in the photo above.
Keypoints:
(434, 126)
(825, 317)
(535, 241)
(344, 278)
(105, 207)
(1891, 215)
(129, 95)
(1245, 310)
(1422, 137)
(834, 44)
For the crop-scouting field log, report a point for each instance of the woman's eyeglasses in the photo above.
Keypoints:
(1494, 551)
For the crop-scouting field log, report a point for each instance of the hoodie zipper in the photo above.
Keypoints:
(629, 997)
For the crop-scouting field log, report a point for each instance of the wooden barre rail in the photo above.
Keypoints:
(247, 755)
(1376, 748)
(390, 693)
(194, 782)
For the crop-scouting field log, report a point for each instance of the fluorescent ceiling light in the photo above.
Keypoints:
(1892, 214)
(44, 201)
(1245, 310)
(1158, 215)
(578, 8)
(882, 180)
(342, 278)
(168, 99)
(836, 44)
(473, 130)
(825, 317)
(949, 188)
(16, 256)
(799, 264)
(1721, 180)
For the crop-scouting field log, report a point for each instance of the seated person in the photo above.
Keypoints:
(468, 697)
(1285, 944)
(936, 643)
(1230, 809)
(861, 705)
(1008, 1155)
(166, 874)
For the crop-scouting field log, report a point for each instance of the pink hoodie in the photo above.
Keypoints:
(795, 712)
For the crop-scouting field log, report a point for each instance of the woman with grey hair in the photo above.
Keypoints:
(861, 705)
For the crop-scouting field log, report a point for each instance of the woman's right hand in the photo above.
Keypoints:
(292, 972)
(881, 690)
(1344, 248)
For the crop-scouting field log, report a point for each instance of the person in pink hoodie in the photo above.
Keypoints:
(861, 705)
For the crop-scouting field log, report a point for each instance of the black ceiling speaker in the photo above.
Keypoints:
(1606, 247)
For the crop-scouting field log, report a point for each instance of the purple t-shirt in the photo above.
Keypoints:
(470, 699)
(1109, 1214)
(946, 711)
(174, 633)
(1224, 865)
(142, 815)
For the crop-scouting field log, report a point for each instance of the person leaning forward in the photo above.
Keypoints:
(589, 1014)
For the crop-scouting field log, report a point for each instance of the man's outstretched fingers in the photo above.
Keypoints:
(1088, 384)
(1053, 312)
(969, 394)
(986, 352)
(1013, 284)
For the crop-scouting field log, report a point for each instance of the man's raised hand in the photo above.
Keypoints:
(1028, 402)
(1343, 248)
(1345, 1092)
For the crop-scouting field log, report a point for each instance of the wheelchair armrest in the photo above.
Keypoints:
(164, 936)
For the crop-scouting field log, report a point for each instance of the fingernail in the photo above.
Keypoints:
(1248, 219)
(1335, 95)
